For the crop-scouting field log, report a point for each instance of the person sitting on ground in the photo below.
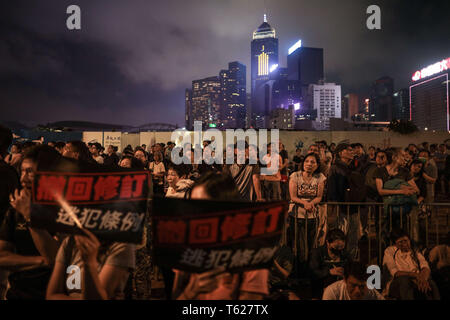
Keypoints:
(215, 284)
(327, 262)
(439, 258)
(354, 285)
(409, 270)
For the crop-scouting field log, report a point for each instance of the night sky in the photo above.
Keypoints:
(132, 59)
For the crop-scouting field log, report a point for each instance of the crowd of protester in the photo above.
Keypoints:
(318, 256)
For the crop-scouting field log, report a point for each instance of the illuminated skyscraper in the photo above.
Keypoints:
(264, 55)
(188, 104)
(234, 96)
(206, 101)
(429, 97)
(305, 65)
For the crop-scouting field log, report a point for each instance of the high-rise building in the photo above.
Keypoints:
(382, 100)
(233, 86)
(206, 101)
(429, 97)
(282, 118)
(326, 100)
(285, 93)
(350, 106)
(264, 58)
(188, 112)
(305, 65)
(401, 105)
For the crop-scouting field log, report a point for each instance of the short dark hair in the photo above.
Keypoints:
(180, 169)
(335, 234)
(398, 233)
(44, 156)
(357, 144)
(83, 151)
(424, 150)
(18, 145)
(135, 162)
(60, 144)
(311, 154)
(355, 269)
(219, 186)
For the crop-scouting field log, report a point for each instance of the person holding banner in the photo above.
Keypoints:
(105, 268)
(27, 252)
(217, 284)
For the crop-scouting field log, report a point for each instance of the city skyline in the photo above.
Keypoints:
(131, 62)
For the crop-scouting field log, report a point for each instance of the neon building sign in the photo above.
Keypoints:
(296, 45)
(438, 67)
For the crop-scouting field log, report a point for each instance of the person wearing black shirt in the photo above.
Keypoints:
(111, 157)
(9, 182)
(298, 159)
(27, 252)
(284, 171)
(394, 170)
(327, 262)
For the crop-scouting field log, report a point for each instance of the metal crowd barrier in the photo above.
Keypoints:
(426, 224)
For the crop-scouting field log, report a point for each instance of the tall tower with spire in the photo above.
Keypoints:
(264, 56)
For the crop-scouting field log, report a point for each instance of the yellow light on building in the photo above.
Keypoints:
(263, 64)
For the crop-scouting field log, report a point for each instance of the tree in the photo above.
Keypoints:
(403, 126)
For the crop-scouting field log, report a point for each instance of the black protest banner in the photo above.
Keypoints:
(112, 205)
(198, 235)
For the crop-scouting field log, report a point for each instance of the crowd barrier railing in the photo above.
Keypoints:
(367, 226)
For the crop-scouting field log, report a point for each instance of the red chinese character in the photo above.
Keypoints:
(171, 231)
(49, 186)
(259, 223)
(274, 217)
(106, 187)
(235, 227)
(79, 188)
(203, 230)
(126, 190)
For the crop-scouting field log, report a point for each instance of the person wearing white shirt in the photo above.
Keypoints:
(353, 287)
(272, 177)
(409, 270)
(158, 171)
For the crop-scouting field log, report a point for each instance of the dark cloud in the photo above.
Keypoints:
(132, 59)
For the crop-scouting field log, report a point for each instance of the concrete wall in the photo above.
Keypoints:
(291, 139)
